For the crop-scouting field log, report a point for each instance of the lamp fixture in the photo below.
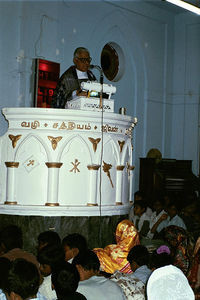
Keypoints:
(186, 5)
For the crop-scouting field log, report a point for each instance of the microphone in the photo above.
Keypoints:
(96, 67)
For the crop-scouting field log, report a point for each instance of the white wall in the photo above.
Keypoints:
(159, 69)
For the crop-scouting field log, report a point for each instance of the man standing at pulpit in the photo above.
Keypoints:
(69, 84)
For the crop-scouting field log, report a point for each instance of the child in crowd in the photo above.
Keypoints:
(23, 281)
(157, 217)
(138, 258)
(138, 196)
(160, 257)
(73, 244)
(91, 285)
(143, 220)
(48, 237)
(49, 257)
(172, 219)
(65, 279)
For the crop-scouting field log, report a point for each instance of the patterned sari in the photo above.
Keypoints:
(194, 272)
(181, 245)
(113, 257)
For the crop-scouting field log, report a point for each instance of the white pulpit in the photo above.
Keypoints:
(66, 162)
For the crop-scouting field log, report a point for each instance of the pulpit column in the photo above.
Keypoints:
(92, 201)
(53, 182)
(10, 186)
(119, 185)
(130, 172)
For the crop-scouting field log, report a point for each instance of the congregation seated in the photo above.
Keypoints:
(138, 258)
(168, 282)
(49, 257)
(65, 279)
(73, 244)
(92, 285)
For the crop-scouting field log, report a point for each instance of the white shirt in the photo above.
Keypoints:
(46, 290)
(177, 221)
(142, 273)
(99, 287)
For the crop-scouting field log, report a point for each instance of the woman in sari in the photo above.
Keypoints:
(114, 257)
(181, 245)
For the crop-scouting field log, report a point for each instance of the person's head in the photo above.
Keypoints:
(138, 256)
(172, 209)
(5, 265)
(138, 195)
(23, 280)
(139, 208)
(82, 59)
(160, 257)
(87, 264)
(65, 280)
(73, 244)
(168, 282)
(49, 257)
(158, 206)
(10, 238)
(48, 238)
(176, 236)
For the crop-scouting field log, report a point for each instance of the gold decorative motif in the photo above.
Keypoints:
(11, 164)
(55, 125)
(121, 145)
(14, 139)
(93, 167)
(51, 204)
(118, 203)
(75, 166)
(120, 168)
(106, 169)
(45, 125)
(10, 202)
(31, 162)
(53, 165)
(94, 142)
(95, 127)
(92, 204)
(54, 141)
(129, 168)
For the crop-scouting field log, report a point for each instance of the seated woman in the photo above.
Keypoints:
(194, 272)
(114, 257)
(181, 244)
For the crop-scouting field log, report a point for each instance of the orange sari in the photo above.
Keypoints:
(113, 257)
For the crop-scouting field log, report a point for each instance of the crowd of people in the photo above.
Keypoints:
(129, 269)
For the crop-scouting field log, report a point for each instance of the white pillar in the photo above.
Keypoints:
(119, 185)
(93, 184)
(130, 172)
(10, 185)
(53, 182)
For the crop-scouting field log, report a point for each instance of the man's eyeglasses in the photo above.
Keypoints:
(84, 60)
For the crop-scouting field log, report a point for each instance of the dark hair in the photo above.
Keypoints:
(138, 254)
(51, 255)
(49, 237)
(141, 204)
(5, 265)
(65, 279)
(11, 237)
(88, 260)
(75, 240)
(23, 279)
(160, 260)
(139, 193)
